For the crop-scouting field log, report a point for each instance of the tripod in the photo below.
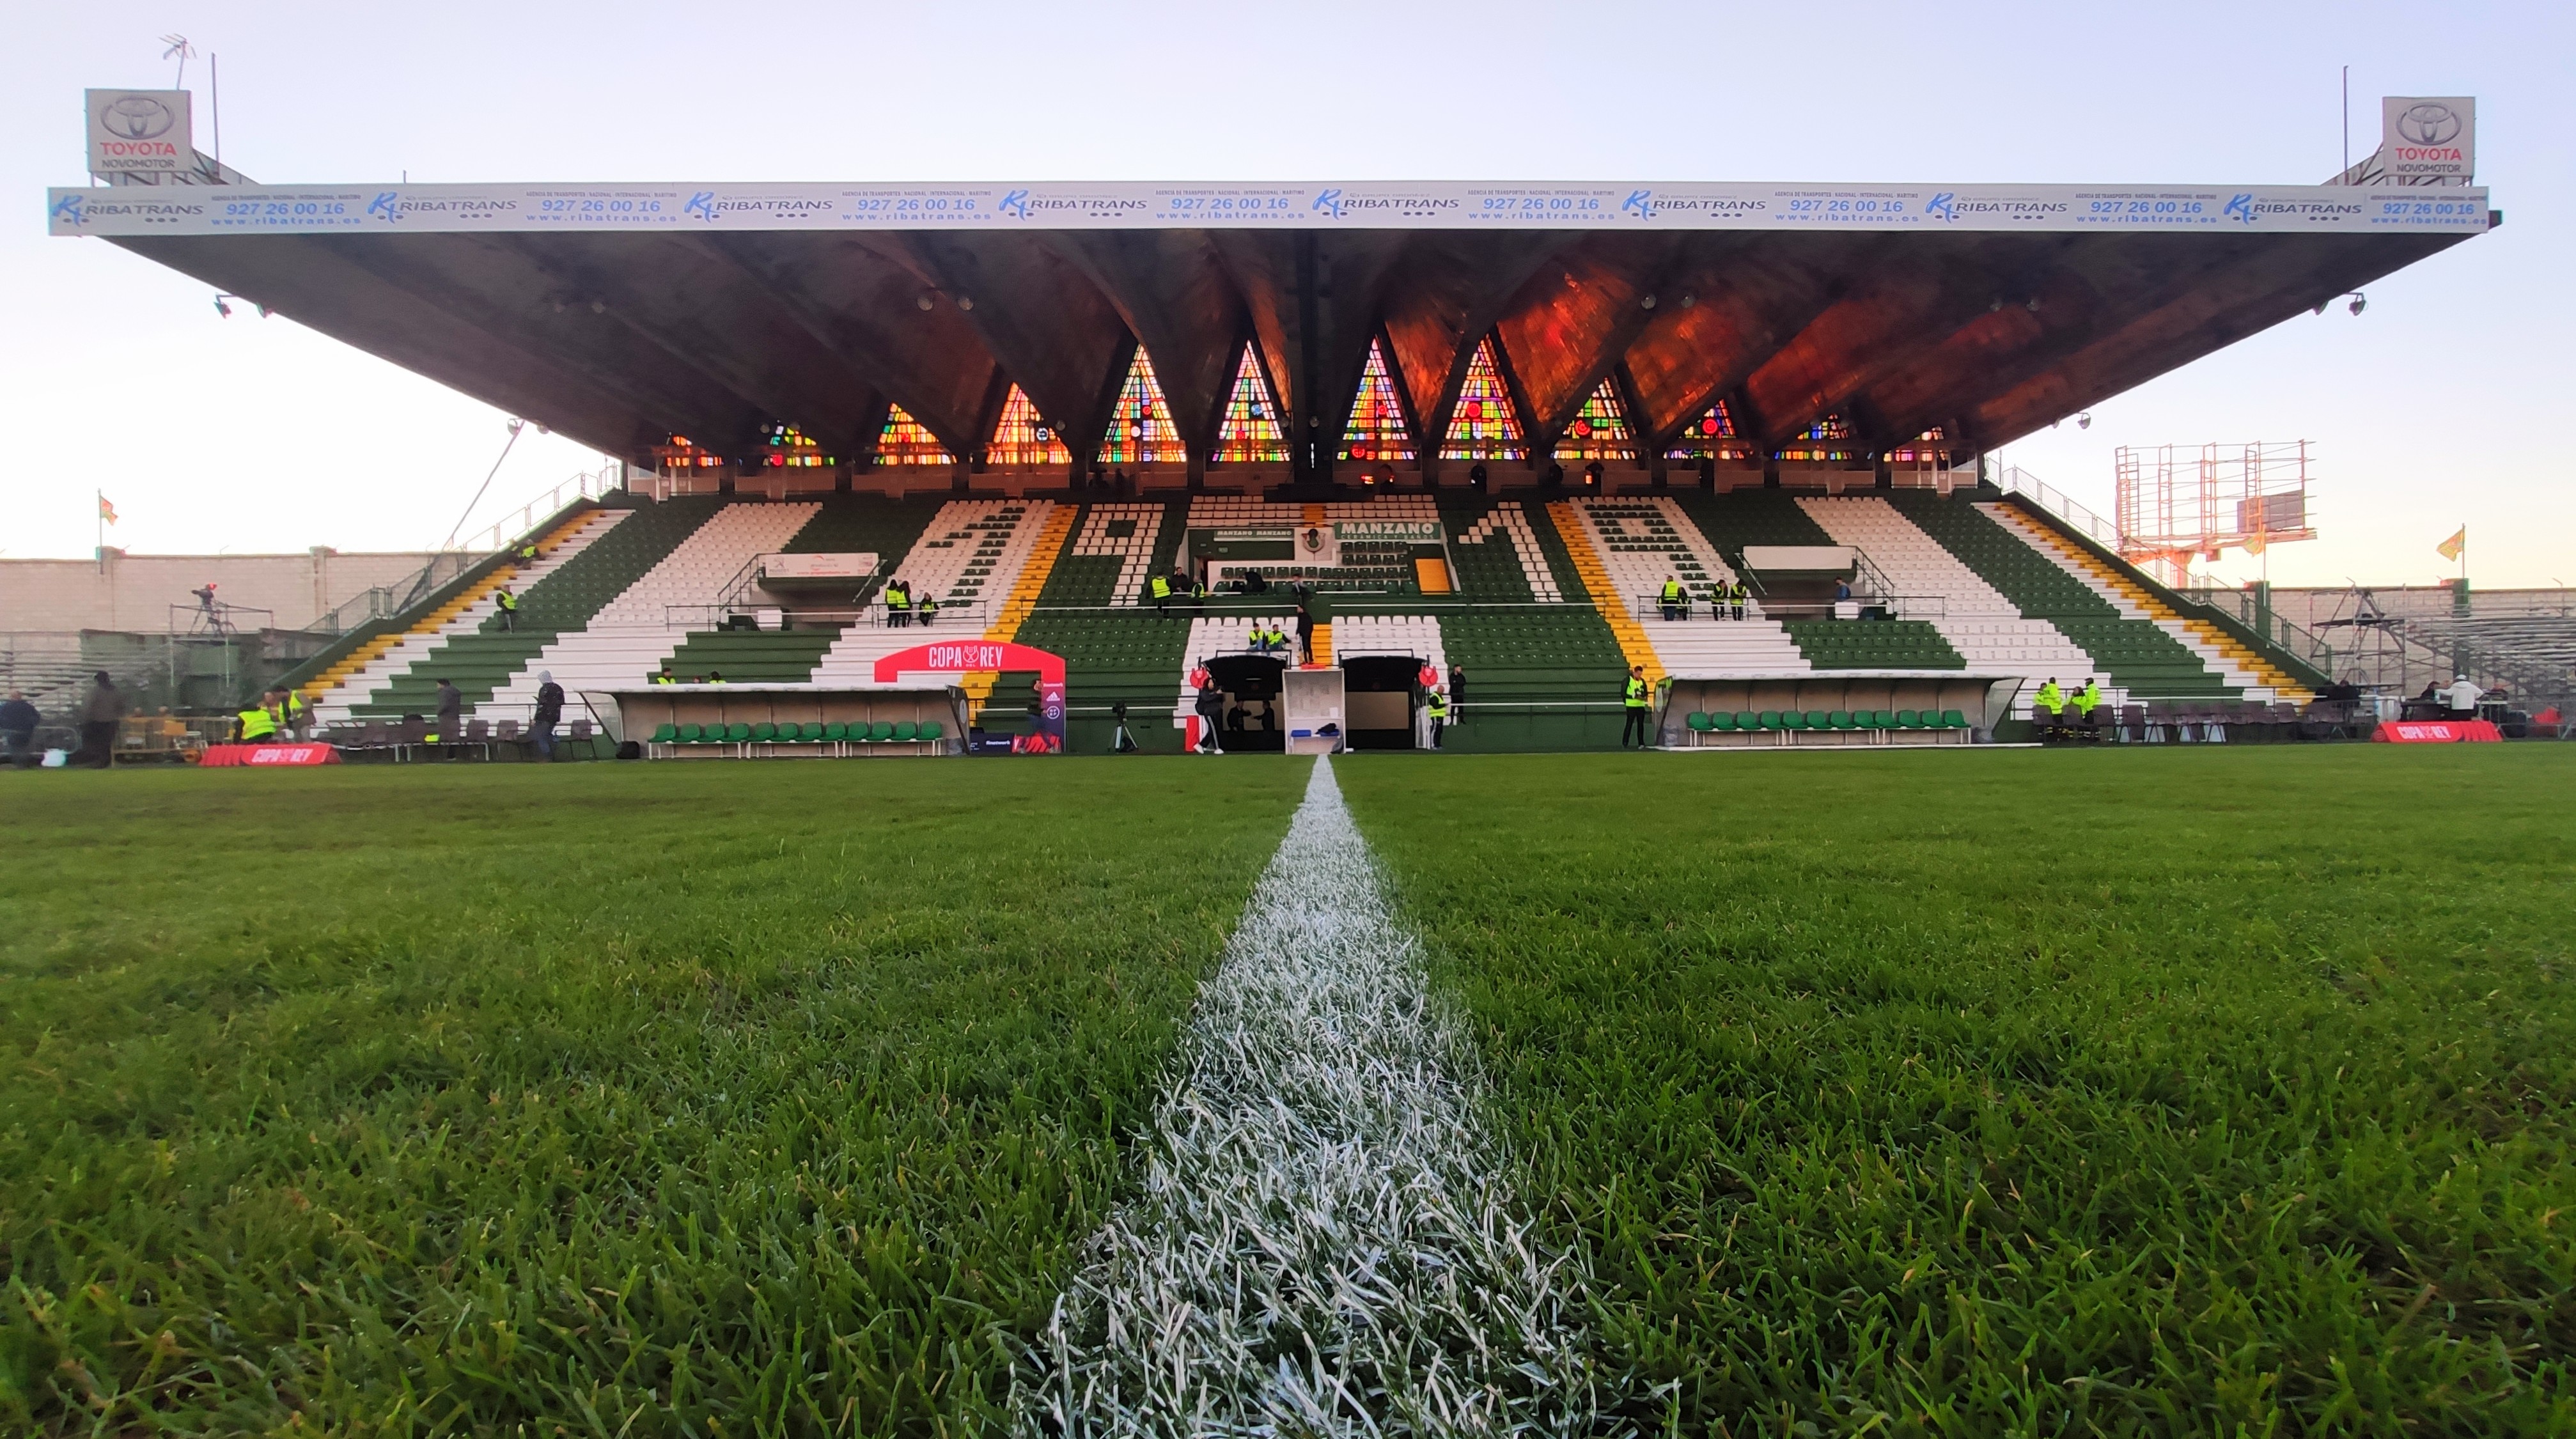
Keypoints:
(1121, 742)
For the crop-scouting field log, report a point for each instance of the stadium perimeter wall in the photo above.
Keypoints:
(120, 591)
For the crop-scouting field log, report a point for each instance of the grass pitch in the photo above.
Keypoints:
(2170, 1091)
(2213, 1091)
(673, 1099)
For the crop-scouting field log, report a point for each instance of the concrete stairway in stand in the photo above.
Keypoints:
(629, 638)
(375, 666)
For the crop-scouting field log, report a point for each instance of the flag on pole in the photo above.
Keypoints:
(2450, 549)
(106, 511)
(2253, 544)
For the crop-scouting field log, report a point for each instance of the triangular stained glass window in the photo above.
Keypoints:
(1483, 426)
(1251, 433)
(1710, 434)
(1377, 430)
(1599, 431)
(1140, 427)
(1023, 438)
(907, 441)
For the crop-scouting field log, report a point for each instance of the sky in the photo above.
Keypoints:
(2437, 407)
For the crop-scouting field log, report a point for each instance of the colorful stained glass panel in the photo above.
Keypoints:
(907, 441)
(1483, 426)
(1599, 431)
(1251, 433)
(1712, 434)
(1377, 431)
(1023, 437)
(1140, 427)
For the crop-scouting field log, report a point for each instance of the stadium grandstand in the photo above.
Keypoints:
(1532, 436)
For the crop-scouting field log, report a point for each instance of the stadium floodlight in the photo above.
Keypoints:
(965, 302)
(2084, 421)
(221, 309)
(2359, 300)
(924, 302)
(1646, 303)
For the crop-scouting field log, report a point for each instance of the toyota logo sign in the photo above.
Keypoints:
(2429, 124)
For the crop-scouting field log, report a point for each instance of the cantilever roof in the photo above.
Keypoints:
(622, 314)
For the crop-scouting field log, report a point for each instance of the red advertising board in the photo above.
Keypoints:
(267, 756)
(2436, 732)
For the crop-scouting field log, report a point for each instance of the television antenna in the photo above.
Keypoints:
(180, 50)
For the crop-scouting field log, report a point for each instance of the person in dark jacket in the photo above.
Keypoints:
(99, 718)
(451, 715)
(550, 701)
(18, 721)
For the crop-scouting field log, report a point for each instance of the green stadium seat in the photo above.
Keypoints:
(1881, 719)
(1839, 719)
(810, 732)
(764, 732)
(1723, 722)
(904, 731)
(881, 732)
(1793, 719)
(1818, 719)
(837, 731)
(1905, 719)
(1770, 719)
(1952, 719)
(738, 734)
(1699, 720)
(932, 729)
(686, 734)
(1747, 721)
(665, 733)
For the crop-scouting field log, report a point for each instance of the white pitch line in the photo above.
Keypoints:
(1323, 1242)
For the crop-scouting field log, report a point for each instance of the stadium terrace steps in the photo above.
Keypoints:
(752, 656)
(1415, 635)
(336, 692)
(1977, 621)
(1497, 554)
(862, 525)
(2223, 653)
(1022, 598)
(1384, 566)
(1115, 657)
(1634, 651)
(1832, 644)
(968, 550)
(1638, 542)
(2138, 657)
(1119, 545)
(624, 641)
(1210, 636)
(1749, 517)
(1534, 654)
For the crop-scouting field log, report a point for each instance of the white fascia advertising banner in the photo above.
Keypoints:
(1433, 205)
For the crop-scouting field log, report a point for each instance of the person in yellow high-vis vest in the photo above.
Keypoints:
(1638, 700)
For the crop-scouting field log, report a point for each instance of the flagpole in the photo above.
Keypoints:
(98, 522)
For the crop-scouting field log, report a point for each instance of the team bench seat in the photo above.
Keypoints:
(1828, 708)
(764, 739)
(1781, 727)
